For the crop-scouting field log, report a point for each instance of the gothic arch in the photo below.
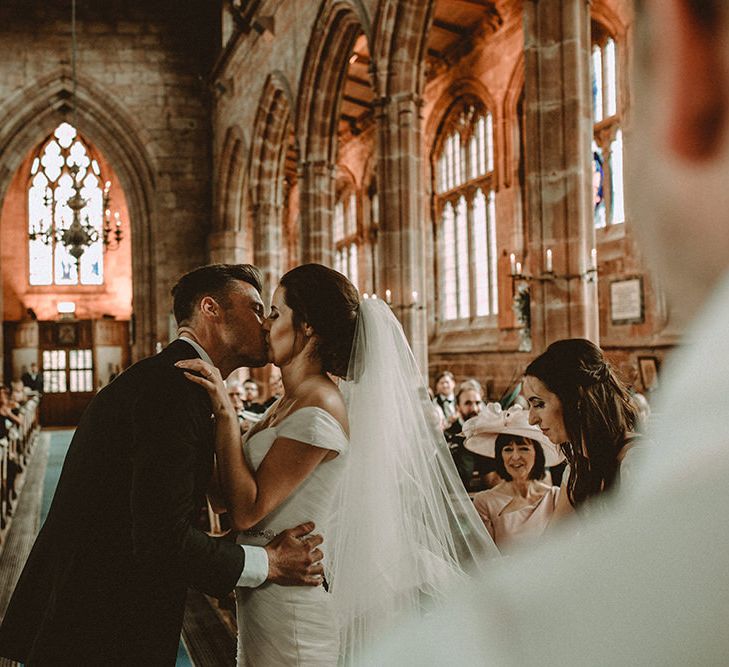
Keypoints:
(274, 118)
(231, 182)
(441, 109)
(33, 112)
(603, 13)
(335, 30)
(400, 37)
(510, 122)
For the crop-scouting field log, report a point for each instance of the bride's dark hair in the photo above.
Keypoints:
(328, 302)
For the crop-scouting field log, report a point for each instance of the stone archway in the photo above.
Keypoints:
(271, 133)
(400, 38)
(34, 111)
(230, 238)
(334, 33)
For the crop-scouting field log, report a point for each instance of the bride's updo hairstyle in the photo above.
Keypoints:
(597, 412)
(328, 302)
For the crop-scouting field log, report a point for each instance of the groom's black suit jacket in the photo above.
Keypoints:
(106, 581)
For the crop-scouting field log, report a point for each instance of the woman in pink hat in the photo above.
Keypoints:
(518, 510)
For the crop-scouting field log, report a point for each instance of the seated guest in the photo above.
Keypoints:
(9, 409)
(579, 403)
(275, 388)
(236, 395)
(516, 511)
(250, 397)
(445, 399)
(17, 392)
(475, 471)
(33, 379)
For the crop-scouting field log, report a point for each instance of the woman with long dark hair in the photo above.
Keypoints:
(578, 402)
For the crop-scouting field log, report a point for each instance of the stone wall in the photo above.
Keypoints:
(143, 101)
(289, 46)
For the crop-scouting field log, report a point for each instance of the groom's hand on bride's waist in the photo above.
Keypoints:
(294, 558)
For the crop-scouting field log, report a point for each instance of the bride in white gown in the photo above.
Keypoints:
(363, 460)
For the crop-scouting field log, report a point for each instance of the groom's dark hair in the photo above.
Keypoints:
(215, 280)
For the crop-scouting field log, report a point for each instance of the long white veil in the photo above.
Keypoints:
(406, 531)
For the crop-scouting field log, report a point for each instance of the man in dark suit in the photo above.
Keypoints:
(33, 379)
(106, 581)
(469, 404)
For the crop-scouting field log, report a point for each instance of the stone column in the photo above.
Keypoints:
(316, 197)
(267, 239)
(558, 105)
(401, 234)
(228, 247)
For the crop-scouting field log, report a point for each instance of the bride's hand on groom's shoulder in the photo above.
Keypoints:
(294, 557)
(208, 377)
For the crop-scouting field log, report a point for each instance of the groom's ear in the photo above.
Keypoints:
(209, 307)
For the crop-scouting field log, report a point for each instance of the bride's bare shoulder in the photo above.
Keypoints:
(323, 393)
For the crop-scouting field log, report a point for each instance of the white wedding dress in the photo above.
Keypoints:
(293, 625)
(399, 528)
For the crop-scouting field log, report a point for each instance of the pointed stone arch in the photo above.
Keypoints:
(400, 37)
(510, 121)
(274, 117)
(230, 240)
(231, 182)
(334, 33)
(272, 131)
(33, 112)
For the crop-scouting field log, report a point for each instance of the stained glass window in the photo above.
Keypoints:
(464, 183)
(50, 186)
(607, 147)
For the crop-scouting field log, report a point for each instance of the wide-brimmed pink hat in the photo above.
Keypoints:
(481, 432)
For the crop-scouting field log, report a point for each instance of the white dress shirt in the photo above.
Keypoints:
(255, 567)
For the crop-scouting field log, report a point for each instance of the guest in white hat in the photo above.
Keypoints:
(518, 510)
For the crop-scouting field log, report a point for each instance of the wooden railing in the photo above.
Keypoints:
(15, 449)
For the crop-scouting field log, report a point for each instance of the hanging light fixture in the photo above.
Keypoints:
(80, 233)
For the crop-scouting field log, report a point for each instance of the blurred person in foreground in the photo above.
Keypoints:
(648, 583)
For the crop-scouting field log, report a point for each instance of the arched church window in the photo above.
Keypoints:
(465, 206)
(62, 156)
(346, 242)
(607, 146)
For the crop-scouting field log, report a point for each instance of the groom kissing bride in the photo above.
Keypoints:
(350, 447)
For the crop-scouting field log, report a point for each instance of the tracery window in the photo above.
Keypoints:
(50, 186)
(466, 212)
(607, 146)
(345, 237)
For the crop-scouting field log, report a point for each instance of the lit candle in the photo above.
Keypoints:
(518, 268)
(415, 296)
(366, 296)
(593, 258)
(549, 260)
(512, 263)
(374, 295)
(388, 296)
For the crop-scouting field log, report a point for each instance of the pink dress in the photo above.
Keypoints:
(521, 527)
